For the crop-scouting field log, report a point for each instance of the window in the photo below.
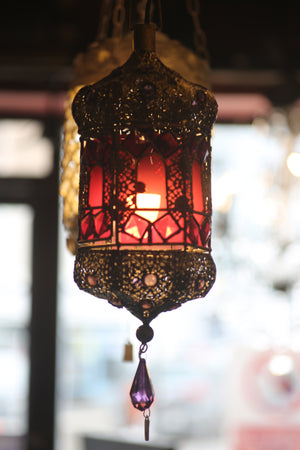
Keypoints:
(24, 151)
(28, 237)
(15, 286)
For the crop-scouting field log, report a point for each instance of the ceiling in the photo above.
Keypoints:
(247, 41)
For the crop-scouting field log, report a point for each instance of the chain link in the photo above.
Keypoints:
(141, 6)
(143, 12)
(118, 16)
(118, 19)
(111, 12)
(193, 7)
(143, 348)
(104, 21)
(115, 13)
(136, 12)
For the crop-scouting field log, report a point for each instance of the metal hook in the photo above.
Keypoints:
(143, 349)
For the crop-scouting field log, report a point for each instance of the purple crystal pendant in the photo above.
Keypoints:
(141, 392)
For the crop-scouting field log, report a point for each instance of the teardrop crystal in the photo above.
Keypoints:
(141, 392)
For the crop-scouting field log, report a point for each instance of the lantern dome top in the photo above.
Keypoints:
(143, 93)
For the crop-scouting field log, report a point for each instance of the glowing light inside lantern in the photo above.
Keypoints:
(147, 202)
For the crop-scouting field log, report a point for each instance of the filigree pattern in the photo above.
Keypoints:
(145, 131)
(155, 97)
(120, 277)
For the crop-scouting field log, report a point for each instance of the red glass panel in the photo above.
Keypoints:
(96, 186)
(199, 218)
(95, 151)
(87, 227)
(135, 144)
(205, 233)
(199, 231)
(90, 151)
(136, 226)
(166, 226)
(167, 144)
(193, 234)
(181, 222)
(151, 174)
(177, 238)
(102, 225)
(156, 239)
(125, 239)
(197, 187)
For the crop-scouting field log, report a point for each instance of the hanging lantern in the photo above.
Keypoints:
(145, 192)
(110, 49)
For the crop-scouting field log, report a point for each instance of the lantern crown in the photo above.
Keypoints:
(144, 94)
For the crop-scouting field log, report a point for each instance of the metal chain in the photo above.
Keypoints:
(115, 14)
(141, 6)
(118, 18)
(104, 22)
(149, 12)
(193, 7)
(141, 11)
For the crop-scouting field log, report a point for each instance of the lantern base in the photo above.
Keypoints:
(144, 282)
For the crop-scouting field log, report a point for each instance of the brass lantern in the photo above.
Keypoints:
(145, 187)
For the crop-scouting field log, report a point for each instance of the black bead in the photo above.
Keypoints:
(144, 333)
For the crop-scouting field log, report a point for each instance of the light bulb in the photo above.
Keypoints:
(148, 201)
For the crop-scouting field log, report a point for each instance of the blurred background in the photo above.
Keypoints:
(226, 369)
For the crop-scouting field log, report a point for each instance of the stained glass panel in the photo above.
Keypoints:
(96, 186)
(197, 187)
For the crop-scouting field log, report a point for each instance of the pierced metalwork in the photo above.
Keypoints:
(144, 94)
(118, 276)
(145, 131)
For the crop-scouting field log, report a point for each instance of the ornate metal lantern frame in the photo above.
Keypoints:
(145, 117)
(145, 191)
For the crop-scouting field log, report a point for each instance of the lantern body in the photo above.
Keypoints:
(145, 196)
